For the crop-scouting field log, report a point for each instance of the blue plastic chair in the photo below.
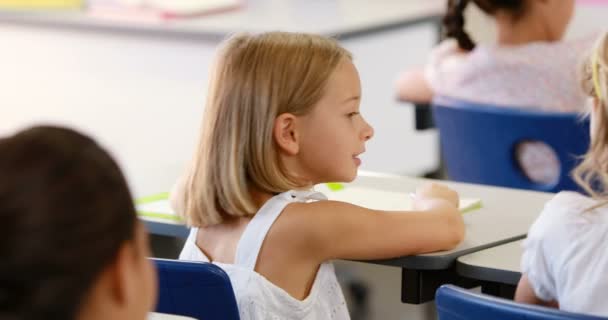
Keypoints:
(455, 303)
(198, 290)
(478, 142)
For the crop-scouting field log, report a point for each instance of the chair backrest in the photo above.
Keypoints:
(198, 290)
(478, 142)
(455, 303)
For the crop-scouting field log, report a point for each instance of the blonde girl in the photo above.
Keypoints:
(565, 261)
(283, 115)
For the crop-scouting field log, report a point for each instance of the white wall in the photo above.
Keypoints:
(142, 98)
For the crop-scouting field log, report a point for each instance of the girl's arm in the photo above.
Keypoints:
(412, 86)
(525, 294)
(338, 230)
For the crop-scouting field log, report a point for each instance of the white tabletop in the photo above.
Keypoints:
(498, 264)
(327, 17)
(164, 316)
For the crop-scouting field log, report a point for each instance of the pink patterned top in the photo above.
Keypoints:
(539, 75)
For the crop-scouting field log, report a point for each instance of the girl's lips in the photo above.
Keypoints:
(357, 161)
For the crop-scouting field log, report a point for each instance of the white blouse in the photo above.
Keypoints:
(566, 254)
(258, 298)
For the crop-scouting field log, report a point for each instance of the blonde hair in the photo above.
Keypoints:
(592, 173)
(255, 79)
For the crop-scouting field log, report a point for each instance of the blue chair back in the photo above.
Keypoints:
(478, 142)
(455, 303)
(198, 290)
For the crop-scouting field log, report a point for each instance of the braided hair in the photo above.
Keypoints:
(453, 21)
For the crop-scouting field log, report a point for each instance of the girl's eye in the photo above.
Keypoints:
(352, 114)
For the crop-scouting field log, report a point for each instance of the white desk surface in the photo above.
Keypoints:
(164, 316)
(327, 17)
(505, 216)
(498, 264)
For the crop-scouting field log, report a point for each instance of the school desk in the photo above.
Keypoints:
(505, 216)
(332, 18)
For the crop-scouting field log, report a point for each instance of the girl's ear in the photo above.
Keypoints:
(121, 275)
(285, 134)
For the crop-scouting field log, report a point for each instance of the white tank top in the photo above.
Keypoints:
(258, 298)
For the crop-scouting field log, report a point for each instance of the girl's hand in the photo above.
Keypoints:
(434, 191)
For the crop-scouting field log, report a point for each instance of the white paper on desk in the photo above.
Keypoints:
(381, 199)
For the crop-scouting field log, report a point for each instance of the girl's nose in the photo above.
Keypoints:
(368, 131)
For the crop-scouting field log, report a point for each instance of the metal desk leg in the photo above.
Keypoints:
(501, 290)
(419, 286)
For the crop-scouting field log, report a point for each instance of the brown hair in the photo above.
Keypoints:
(65, 210)
(592, 173)
(256, 78)
(453, 21)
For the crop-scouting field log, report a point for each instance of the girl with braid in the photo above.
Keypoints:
(529, 67)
